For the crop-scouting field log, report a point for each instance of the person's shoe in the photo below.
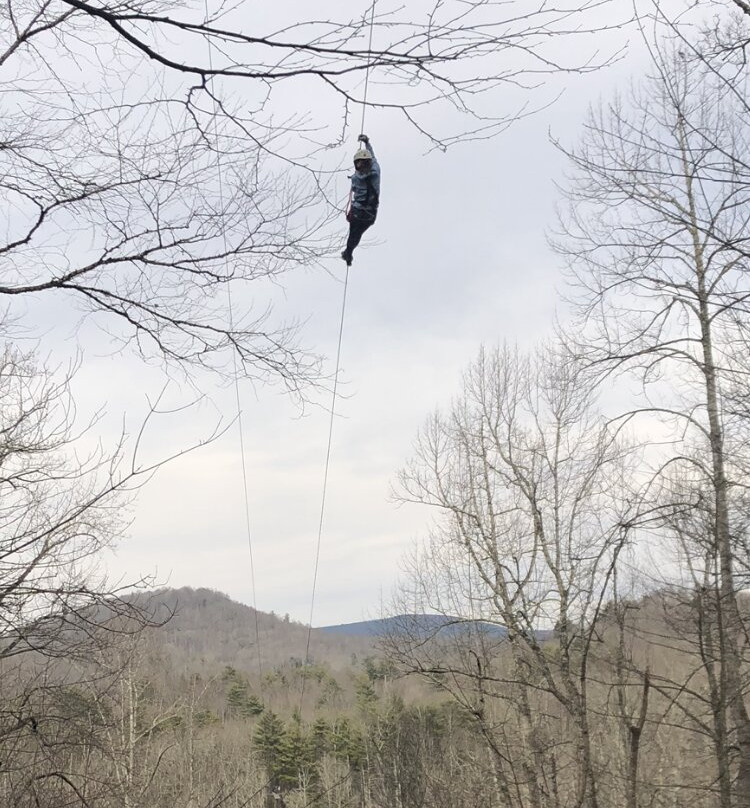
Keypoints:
(347, 257)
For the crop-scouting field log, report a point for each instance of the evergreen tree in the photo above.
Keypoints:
(240, 700)
(321, 738)
(298, 767)
(269, 740)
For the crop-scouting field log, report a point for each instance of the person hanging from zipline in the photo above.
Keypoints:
(364, 196)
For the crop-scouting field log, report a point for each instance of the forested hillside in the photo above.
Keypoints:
(186, 711)
(204, 627)
(162, 716)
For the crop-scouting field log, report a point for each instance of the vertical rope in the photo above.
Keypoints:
(237, 396)
(333, 405)
(367, 72)
(245, 487)
(325, 489)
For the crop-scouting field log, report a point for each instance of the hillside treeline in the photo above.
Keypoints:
(132, 731)
(625, 709)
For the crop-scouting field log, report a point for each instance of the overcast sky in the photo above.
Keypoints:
(457, 258)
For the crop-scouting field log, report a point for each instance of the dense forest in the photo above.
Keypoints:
(160, 719)
(573, 628)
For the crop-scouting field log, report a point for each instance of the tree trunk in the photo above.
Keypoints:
(730, 621)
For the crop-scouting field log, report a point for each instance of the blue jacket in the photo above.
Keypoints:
(366, 188)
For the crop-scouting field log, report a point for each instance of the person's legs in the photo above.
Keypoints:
(356, 228)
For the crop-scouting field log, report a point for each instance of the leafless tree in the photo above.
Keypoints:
(148, 171)
(523, 476)
(64, 499)
(657, 241)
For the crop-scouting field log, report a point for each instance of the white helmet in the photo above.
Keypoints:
(362, 154)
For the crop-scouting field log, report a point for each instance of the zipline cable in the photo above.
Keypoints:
(238, 400)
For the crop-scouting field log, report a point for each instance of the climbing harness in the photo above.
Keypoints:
(371, 192)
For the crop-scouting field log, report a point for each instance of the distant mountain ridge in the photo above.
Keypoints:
(425, 625)
(205, 629)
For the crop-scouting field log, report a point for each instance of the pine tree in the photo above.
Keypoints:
(269, 740)
(240, 700)
(321, 739)
(298, 764)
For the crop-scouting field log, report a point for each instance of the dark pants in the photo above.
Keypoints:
(358, 223)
